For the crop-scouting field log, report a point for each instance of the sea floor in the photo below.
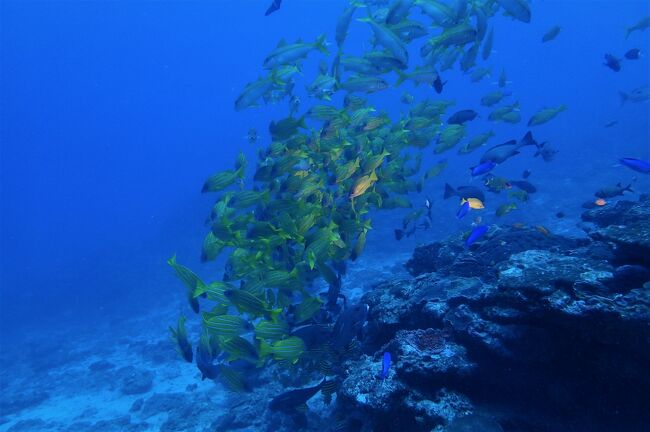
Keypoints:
(123, 374)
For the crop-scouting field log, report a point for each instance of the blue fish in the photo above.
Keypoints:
(476, 234)
(637, 165)
(385, 366)
(483, 168)
(463, 210)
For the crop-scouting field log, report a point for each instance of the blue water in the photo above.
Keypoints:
(114, 113)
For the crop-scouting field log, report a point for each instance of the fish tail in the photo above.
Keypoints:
(274, 314)
(301, 122)
(401, 77)
(265, 349)
(624, 97)
(321, 44)
(529, 140)
(449, 191)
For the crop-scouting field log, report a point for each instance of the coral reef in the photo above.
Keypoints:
(548, 325)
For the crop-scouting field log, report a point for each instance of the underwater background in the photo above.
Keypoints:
(113, 116)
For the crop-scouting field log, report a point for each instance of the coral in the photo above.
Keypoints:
(429, 340)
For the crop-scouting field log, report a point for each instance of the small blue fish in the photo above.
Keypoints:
(637, 165)
(483, 168)
(476, 234)
(385, 366)
(463, 210)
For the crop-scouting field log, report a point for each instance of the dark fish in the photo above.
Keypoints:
(464, 192)
(613, 191)
(349, 325)
(179, 335)
(438, 84)
(612, 123)
(401, 233)
(546, 152)
(385, 366)
(314, 335)
(289, 401)
(204, 362)
(462, 116)
(633, 54)
(463, 210)
(551, 34)
(526, 174)
(482, 168)
(502, 152)
(518, 9)
(559, 215)
(639, 94)
(476, 234)
(334, 291)
(284, 129)
(524, 185)
(273, 7)
(637, 165)
(612, 62)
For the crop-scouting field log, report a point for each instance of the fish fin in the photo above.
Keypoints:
(449, 191)
(624, 97)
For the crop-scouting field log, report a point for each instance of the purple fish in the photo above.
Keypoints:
(385, 366)
(483, 168)
(612, 62)
(463, 210)
(274, 6)
(476, 234)
(637, 165)
(633, 54)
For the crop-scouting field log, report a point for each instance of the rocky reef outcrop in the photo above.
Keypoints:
(524, 331)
